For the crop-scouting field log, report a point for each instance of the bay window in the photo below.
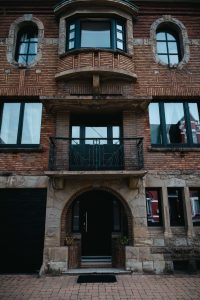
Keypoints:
(20, 124)
(96, 33)
(174, 123)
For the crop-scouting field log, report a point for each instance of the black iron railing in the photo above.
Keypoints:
(95, 154)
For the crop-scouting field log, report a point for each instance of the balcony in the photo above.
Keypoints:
(96, 154)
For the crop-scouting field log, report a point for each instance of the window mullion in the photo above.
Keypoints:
(1, 115)
(188, 124)
(20, 125)
(163, 123)
(77, 34)
(113, 34)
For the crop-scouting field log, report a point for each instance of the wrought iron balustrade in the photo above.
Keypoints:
(76, 154)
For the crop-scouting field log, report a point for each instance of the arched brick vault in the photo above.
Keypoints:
(67, 212)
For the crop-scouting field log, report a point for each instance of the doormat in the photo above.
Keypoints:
(92, 278)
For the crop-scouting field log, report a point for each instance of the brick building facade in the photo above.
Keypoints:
(100, 134)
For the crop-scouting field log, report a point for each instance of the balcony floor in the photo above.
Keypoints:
(97, 174)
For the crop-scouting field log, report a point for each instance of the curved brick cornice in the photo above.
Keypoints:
(103, 72)
(183, 38)
(12, 37)
(122, 4)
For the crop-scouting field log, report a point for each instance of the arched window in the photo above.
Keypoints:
(170, 43)
(27, 44)
(168, 47)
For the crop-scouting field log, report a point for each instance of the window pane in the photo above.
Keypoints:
(32, 123)
(195, 206)
(116, 134)
(96, 133)
(30, 58)
(95, 34)
(119, 35)
(72, 26)
(154, 216)
(71, 44)
(22, 59)
(175, 123)
(170, 37)
(154, 117)
(10, 123)
(23, 48)
(33, 48)
(194, 122)
(120, 45)
(161, 47)
(173, 47)
(71, 35)
(174, 59)
(176, 207)
(119, 27)
(75, 135)
(161, 36)
(163, 58)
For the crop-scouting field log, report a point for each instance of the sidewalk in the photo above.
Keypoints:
(151, 287)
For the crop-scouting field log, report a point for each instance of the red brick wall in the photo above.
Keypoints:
(153, 80)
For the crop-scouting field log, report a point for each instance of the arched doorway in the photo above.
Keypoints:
(99, 218)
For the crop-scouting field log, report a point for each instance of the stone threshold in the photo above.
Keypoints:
(96, 271)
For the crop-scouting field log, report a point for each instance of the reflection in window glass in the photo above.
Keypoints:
(27, 44)
(95, 34)
(176, 207)
(153, 203)
(194, 122)
(154, 117)
(195, 206)
(10, 122)
(75, 134)
(96, 134)
(167, 48)
(175, 123)
(116, 134)
(32, 123)
(21, 123)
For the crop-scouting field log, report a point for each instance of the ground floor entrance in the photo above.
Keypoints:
(100, 219)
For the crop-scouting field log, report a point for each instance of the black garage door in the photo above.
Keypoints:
(22, 226)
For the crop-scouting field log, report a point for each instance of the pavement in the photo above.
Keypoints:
(151, 287)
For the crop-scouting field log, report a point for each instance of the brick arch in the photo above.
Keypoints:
(178, 26)
(66, 217)
(12, 37)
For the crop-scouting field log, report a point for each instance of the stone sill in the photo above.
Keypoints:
(84, 50)
(21, 150)
(173, 149)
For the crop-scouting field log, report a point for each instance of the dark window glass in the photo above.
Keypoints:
(27, 44)
(116, 216)
(168, 47)
(154, 210)
(176, 207)
(96, 33)
(20, 123)
(174, 123)
(195, 206)
(76, 217)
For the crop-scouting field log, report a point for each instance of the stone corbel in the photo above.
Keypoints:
(96, 83)
(58, 183)
(134, 183)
